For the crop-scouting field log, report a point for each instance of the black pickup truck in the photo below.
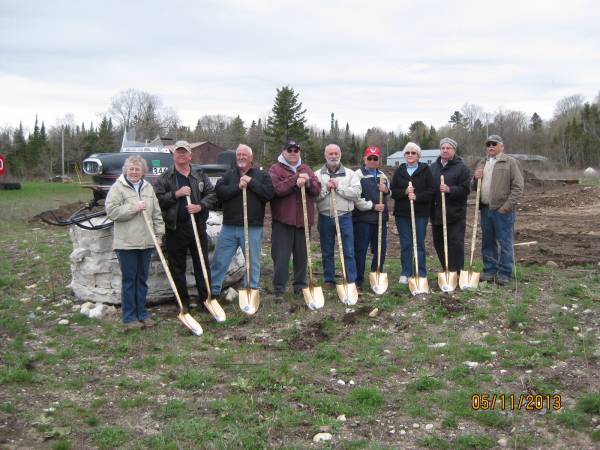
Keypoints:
(105, 168)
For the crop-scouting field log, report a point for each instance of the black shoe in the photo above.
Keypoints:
(278, 298)
(487, 277)
(328, 285)
(502, 280)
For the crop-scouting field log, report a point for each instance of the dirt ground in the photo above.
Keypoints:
(562, 219)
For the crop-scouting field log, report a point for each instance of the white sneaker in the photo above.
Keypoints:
(403, 279)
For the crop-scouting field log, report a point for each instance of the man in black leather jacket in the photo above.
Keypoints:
(172, 189)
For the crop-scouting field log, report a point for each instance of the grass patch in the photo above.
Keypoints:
(572, 419)
(110, 437)
(473, 441)
(589, 403)
(365, 401)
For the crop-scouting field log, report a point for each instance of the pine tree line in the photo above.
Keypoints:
(571, 139)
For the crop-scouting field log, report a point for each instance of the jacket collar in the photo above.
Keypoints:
(125, 182)
(340, 172)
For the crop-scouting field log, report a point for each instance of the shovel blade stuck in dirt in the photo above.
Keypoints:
(379, 282)
(249, 300)
(468, 280)
(347, 293)
(418, 285)
(447, 281)
(191, 323)
(313, 297)
(215, 310)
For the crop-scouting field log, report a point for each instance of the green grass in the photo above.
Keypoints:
(110, 437)
(265, 381)
(37, 196)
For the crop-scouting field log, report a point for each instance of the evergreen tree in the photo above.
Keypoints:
(286, 121)
(457, 119)
(535, 123)
(235, 133)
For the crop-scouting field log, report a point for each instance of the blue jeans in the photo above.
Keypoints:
(326, 227)
(230, 238)
(497, 237)
(365, 235)
(135, 265)
(406, 245)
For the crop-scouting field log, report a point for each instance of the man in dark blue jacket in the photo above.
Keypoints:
(456, 188)
(365, 217)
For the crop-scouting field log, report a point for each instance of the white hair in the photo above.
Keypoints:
(332, 146)
(243, 147)
(135, 160)
(412, 146)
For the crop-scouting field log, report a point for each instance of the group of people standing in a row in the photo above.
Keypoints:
(357, 206)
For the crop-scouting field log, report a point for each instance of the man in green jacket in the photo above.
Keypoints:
(501, 189)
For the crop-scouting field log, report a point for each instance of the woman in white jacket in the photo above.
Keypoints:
(129, 198)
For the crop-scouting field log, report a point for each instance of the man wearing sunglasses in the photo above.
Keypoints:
(365, 217)
(288, 175)
(501, 189)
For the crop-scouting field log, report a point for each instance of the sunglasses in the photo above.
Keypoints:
(410, 153)
(372, 158)
(292, 150)
(491, 144)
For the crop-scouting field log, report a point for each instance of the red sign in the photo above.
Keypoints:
(2, 165)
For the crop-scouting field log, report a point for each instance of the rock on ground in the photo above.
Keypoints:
(96, 276)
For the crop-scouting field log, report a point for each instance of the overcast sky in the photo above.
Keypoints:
(372, 63)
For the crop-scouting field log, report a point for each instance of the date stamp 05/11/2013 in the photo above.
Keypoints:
(516, 402)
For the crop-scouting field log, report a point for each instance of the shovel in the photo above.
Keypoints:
(378, 279)
(248, 298)
(186, 318)
(469, 279)
(446, 280)
(211, 304)
(416, 285)
(313, 295)
(346, 291)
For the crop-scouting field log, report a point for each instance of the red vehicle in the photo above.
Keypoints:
(6, 181)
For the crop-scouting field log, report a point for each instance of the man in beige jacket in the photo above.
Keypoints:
(501, 189)
(333, 176)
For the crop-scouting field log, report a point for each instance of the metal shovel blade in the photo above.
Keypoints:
(418, 285)
(249, 300)
(347, 293)
(379, 282)
(215, 310)
(191, 323)
(468, 280)
(313, 297)
(447, 281)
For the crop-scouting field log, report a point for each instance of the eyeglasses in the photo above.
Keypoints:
(410, 153)
(491, 144)
(292, 150)
(372, 158)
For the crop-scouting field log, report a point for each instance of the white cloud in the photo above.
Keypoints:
(378, 63)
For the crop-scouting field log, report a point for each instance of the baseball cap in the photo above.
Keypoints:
(371, 150)
(183, 144)
(494, 138)
(291, 144)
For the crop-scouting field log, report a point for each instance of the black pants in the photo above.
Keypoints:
(456, 244)
(178, 243)
(288, 240)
